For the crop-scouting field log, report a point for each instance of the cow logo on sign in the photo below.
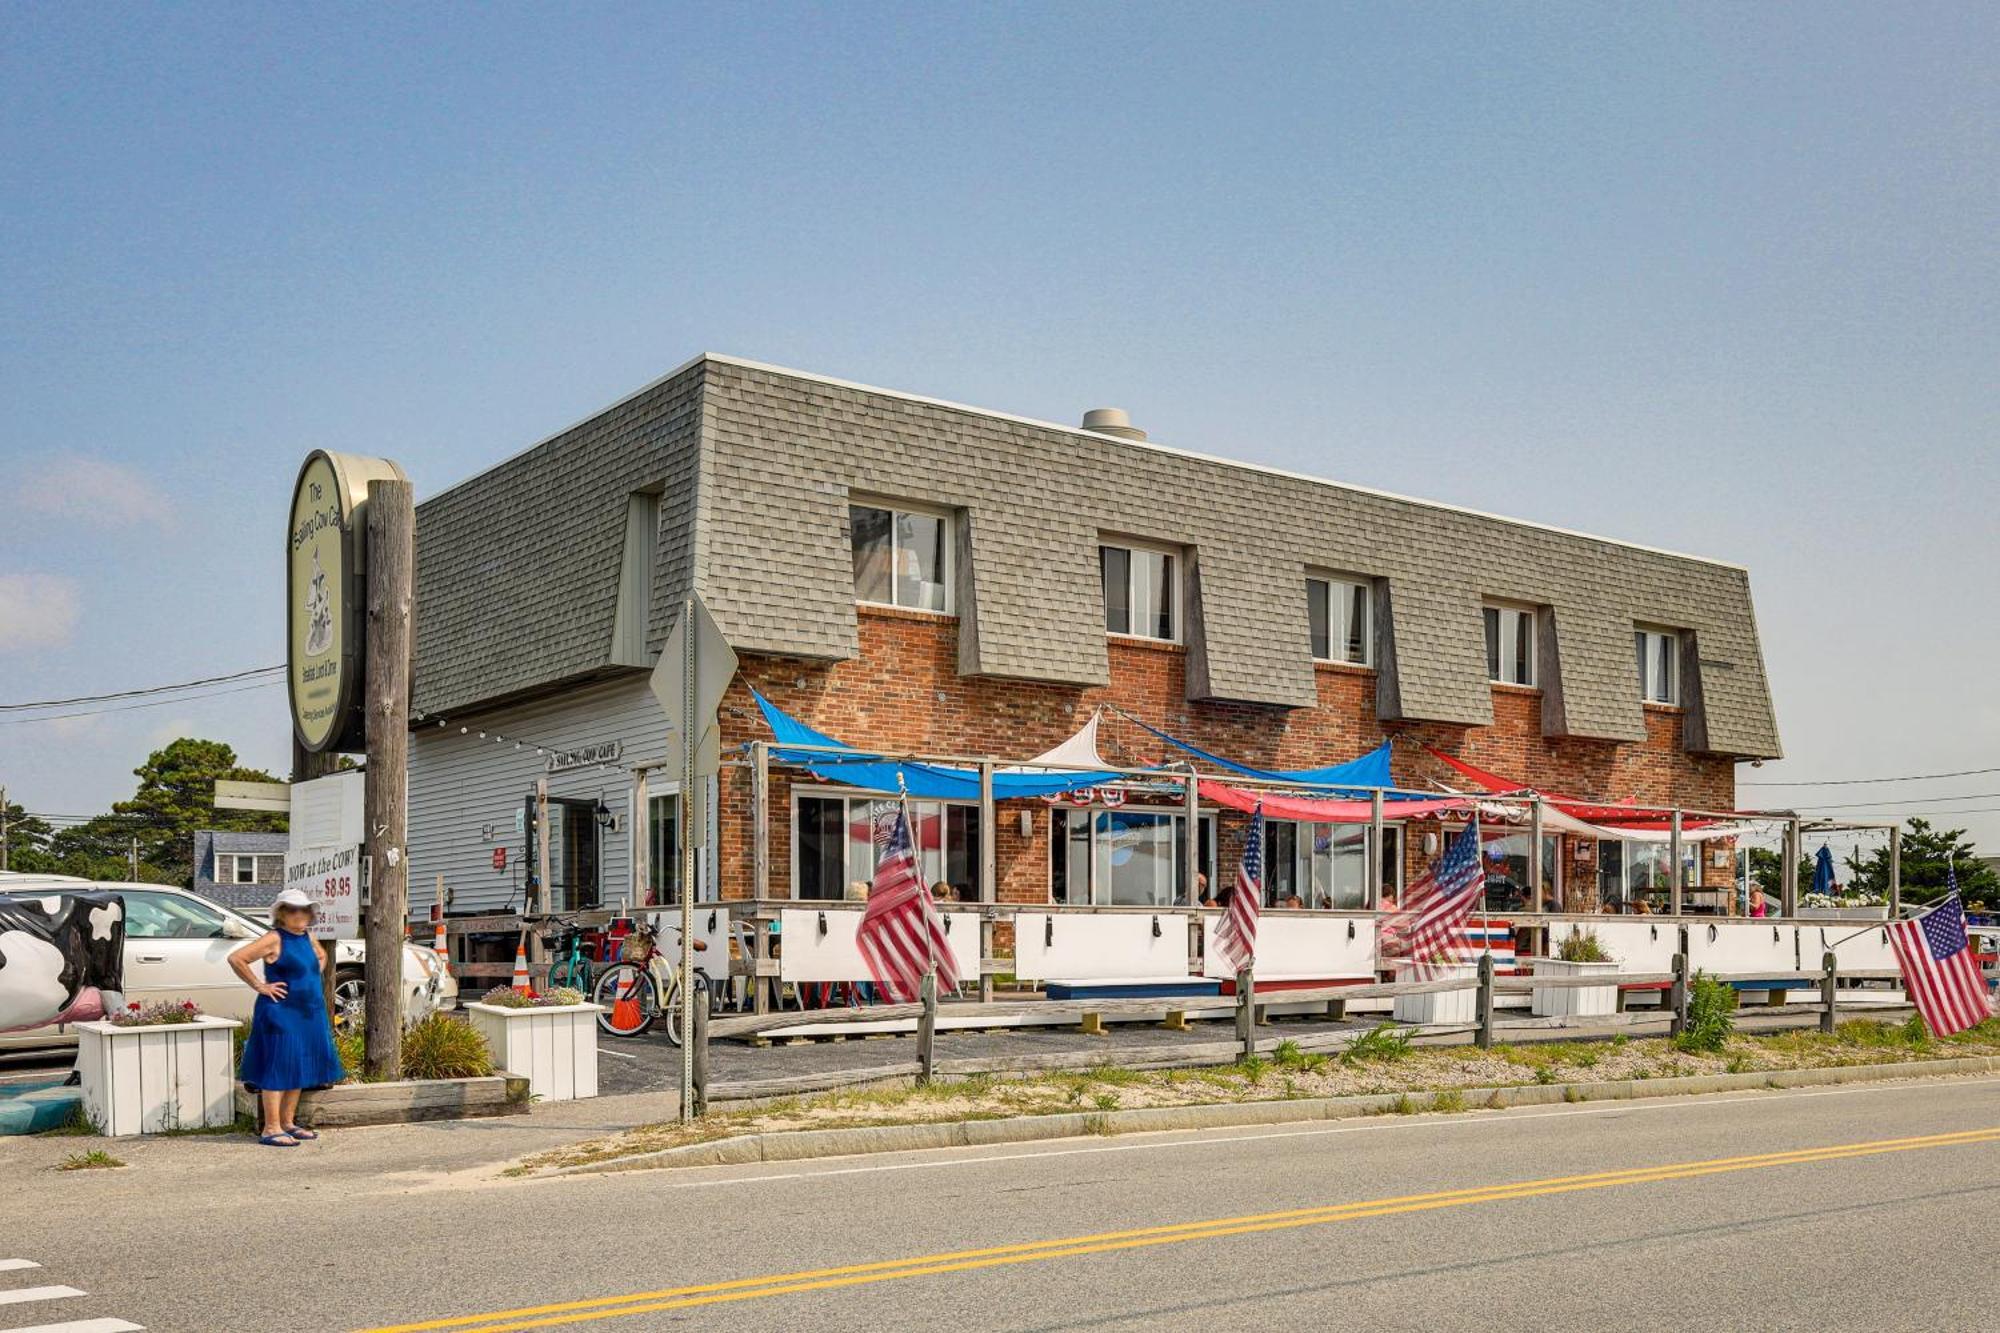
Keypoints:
(62, 958)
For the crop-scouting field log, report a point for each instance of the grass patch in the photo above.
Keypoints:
(1449, 1102)
(1384, 1044)
(95, 1160)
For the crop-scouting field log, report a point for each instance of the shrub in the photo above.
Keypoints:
(1386, 1042)
(1290, 1056)
(1711, 1015)
(1582, 946)
(443, 1046)
(1449, 1102)
(514, 997)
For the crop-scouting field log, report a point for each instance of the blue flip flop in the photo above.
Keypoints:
(278, 1141)
(302, 1135)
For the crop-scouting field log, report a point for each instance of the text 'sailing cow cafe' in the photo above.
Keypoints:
(1087, 657)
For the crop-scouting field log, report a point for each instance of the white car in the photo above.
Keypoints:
(177, 947)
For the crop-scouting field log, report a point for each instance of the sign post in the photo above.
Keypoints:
(694, 670)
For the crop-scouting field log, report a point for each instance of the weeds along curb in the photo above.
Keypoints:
(799, 1145)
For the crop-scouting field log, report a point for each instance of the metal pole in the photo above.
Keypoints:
(688, 742)
(1376, 852)
(1788, 883)
(760, 820)
(1895, 870)
(1193, 820)
(1535, 854)
(989, 877)
(1674, 894)
(3, 830)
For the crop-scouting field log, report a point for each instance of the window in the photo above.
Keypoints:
(244, 871)
(1324, 866)
(1659, 654)
(1510, 876)
(663, 857)
(1510, 644)
(1343, 627)
(1630, 873)
(166, 916)
(836, 846)
(1141, 592)
(902, 557)
(1123, 858)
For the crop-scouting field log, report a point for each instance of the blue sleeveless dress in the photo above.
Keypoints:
(290, 1045)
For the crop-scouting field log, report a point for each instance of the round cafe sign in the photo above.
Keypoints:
(325, 602)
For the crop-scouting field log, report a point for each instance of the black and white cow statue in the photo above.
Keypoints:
(62, 958)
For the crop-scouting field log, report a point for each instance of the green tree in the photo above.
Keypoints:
(27, 842)
(176, 796)
(1767, 869)
(1927, 851)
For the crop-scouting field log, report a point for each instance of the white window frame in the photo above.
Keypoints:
(1646, 638)
(1509, 611)
(949, 573)
(1209, 821)
(1175, 597)
(237, 861)
(848, 795)
(1322, 584)
(1371, 891)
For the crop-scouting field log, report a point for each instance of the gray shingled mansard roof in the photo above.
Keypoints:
(518, 568)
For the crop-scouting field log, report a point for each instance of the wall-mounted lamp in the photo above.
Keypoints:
(605, 819)
(1027, 823)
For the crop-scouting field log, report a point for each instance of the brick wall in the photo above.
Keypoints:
(904, 692)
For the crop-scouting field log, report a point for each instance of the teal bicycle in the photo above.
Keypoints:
(569, 964)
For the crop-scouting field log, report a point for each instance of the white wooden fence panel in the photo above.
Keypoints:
(1108, 947)
(1294, 947)
(808, 954)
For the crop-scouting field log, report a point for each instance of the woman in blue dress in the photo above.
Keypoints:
(290, 1047)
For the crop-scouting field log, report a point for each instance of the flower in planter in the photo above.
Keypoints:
(157, 1014)
(514, 997)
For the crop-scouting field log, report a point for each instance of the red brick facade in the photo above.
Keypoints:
(904, 693)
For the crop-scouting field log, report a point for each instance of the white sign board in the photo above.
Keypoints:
(331, 877)
(327, 812)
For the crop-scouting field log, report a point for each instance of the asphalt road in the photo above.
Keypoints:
(1836, 1208)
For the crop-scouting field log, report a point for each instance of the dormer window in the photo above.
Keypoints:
(902, 556)
(1341, 613)
(1141, 592)
(1510, 644)
(1659, 653)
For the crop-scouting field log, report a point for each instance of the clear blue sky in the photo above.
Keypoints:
(1717, 278)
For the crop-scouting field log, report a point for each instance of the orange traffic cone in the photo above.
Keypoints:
(521, 981)
(625, 1008)
(440, 947)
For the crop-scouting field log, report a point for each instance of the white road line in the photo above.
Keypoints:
(624, 1055)
(16, 1265)
(85, 1326)
(1761, 1097)
(22, 1295)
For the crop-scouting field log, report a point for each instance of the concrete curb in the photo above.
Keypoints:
(800, 1145)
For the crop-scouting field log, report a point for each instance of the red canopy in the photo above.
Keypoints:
(1622, 814)
(1324, 812)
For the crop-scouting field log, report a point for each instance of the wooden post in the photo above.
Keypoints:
(538, 904)
(1678, 880)
(1895, 871)
(760, 939)
(927, 1027)
(391, 558)
(1246, 1011)
(1677, 998)
(1484, 1037)
(641, 835)
(760, 819)
(699, 1009)
(985, 952)
(1828, 991)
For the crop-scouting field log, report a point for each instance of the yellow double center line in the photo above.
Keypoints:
(959, 1261)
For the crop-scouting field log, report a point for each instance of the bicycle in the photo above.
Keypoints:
(570, 965)
(642, 986)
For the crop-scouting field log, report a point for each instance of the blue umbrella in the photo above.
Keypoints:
(1823, 871)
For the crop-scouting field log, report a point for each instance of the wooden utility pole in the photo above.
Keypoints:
(390, 565)
(3, 830)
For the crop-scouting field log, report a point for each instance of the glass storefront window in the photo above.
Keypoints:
(836, 846)
(1509, 882)
(1320, 866)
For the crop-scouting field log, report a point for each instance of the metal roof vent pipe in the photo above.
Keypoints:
(1112, 421)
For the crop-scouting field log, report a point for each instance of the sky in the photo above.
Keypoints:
(1714, 278)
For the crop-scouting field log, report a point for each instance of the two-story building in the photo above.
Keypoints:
(918, 576)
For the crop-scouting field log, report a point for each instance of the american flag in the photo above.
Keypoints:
(1432, 921)
(1940, 970)
(1237, 935)
(900, 936)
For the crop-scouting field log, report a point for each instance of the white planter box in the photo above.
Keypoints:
(554, 1048)
(1574, 1002)
(1451, 1006)
(143, 1080)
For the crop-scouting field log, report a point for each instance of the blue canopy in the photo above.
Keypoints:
(934, 782)
(1823, 870)
(1371, 770)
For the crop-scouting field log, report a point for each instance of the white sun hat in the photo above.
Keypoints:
(294, 898)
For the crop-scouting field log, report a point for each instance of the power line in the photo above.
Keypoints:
(135, 705)
(1859, 782)
(1908, 802)
(149, 689)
